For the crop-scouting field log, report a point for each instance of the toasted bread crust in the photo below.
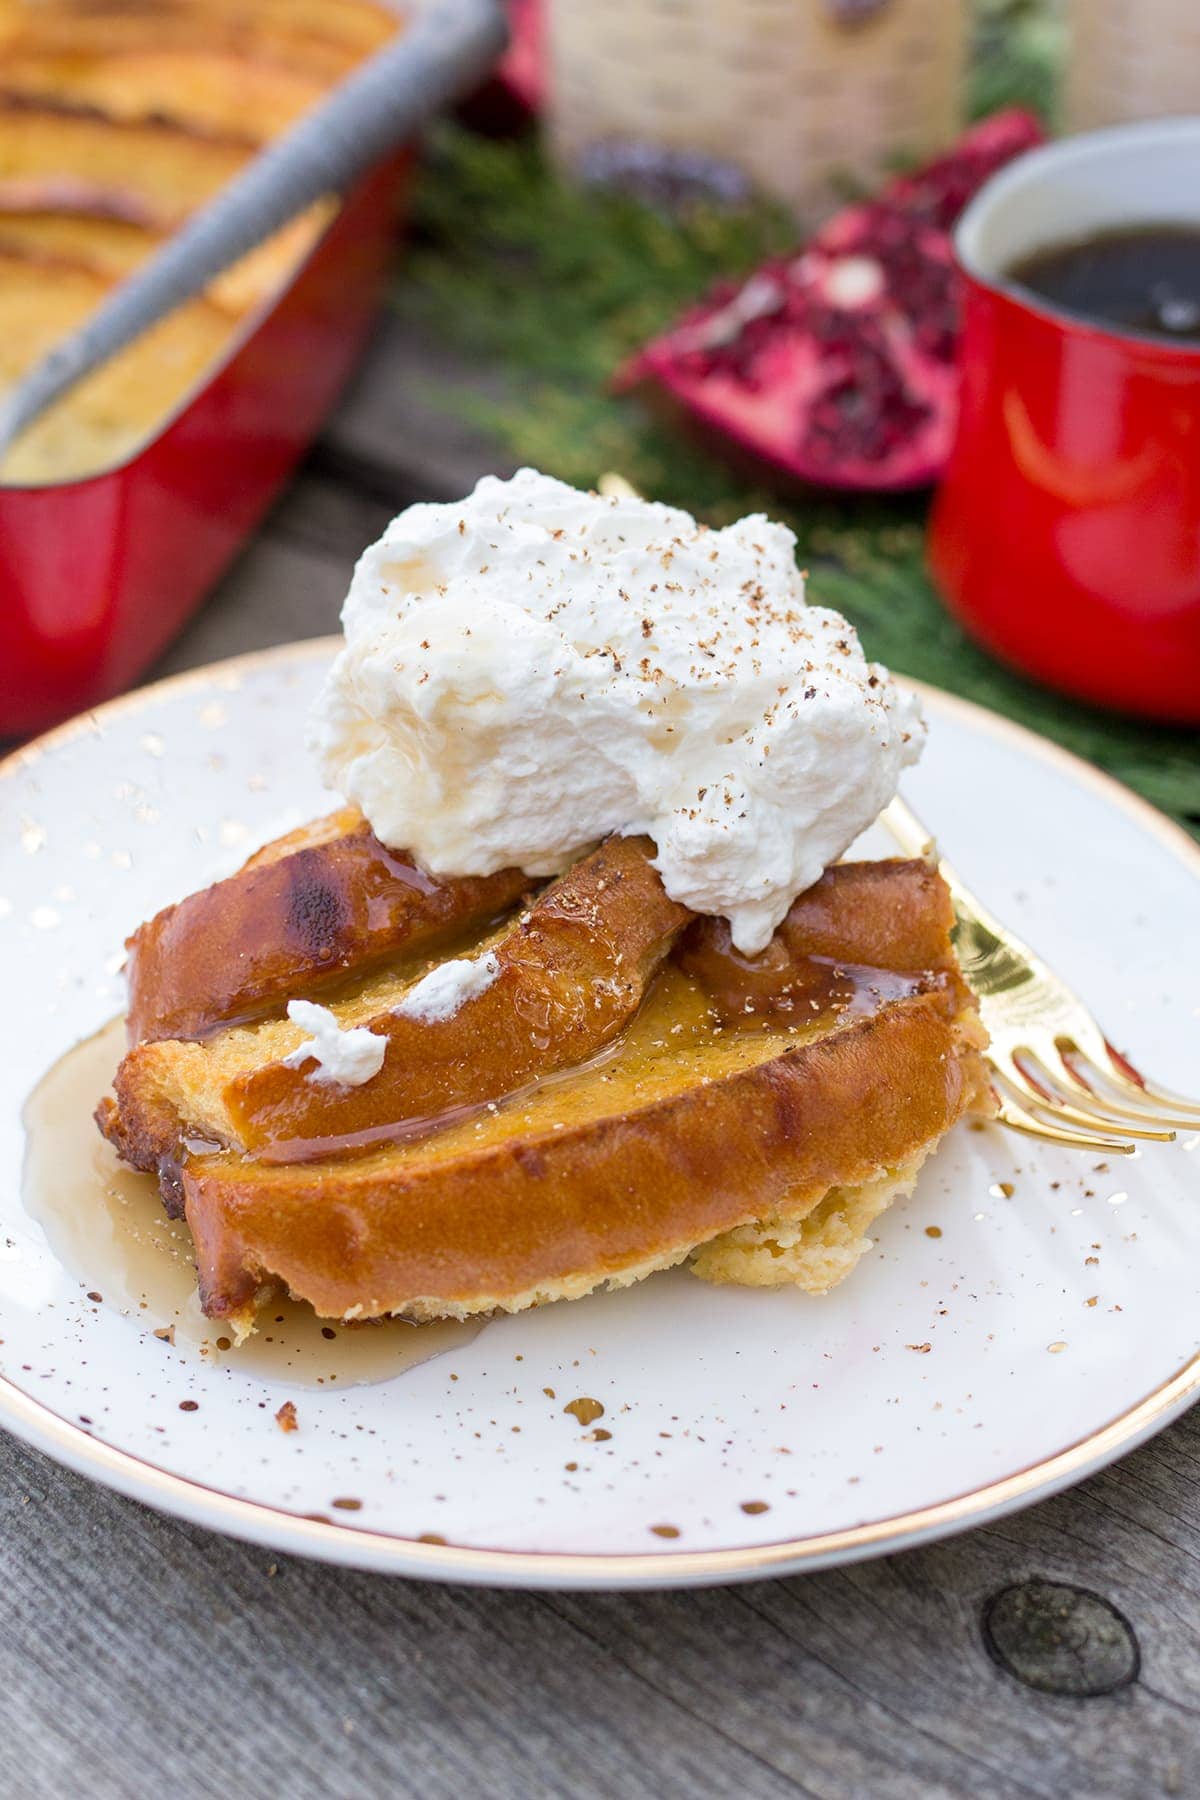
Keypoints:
(893, 915)
(297, 916)
(572, 972)
(537, 1214)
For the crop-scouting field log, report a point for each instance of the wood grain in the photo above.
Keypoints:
(140, 1656)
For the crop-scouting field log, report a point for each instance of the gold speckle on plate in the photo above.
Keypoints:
(666, 1531)
(1057, 1346)
(1002, 1190)
(585, 1409)
(934, 1231)
(755, 1506)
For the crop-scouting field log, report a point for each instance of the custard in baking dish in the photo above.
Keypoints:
(117, 121)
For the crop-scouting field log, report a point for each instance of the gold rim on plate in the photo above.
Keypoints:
(40, 1426)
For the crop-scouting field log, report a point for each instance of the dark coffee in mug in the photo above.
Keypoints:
(1144, 279)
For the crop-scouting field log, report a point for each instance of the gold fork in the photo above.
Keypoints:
(1056, 1074)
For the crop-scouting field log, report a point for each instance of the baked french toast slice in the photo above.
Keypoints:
(111, 249)
(562, 979)
(306, 910)
(688, 1134)
(753, 1115)
(325, 38)
(153, 174)
(218, 91)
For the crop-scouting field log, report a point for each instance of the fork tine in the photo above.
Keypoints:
(1022, 1107)
(1131, 1081)
(1094, 1088)
(1023, 1003)
(1051, 1097)
(1017, 1119)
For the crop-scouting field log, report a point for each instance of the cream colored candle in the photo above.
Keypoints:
(1131, 59)
(806, 96)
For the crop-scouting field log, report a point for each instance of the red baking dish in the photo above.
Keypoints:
(97, 575)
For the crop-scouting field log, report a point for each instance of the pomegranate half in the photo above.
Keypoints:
(834, 366)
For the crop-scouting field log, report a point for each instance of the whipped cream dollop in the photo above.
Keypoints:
(449, 985)
(347, 1057)
(533, 668)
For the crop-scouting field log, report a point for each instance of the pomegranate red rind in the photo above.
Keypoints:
(515, 91)
(522, 67)
(834, 366)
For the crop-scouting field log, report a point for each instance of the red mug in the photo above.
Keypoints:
(1066, 533)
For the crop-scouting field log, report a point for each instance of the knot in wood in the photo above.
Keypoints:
(1060, 1639)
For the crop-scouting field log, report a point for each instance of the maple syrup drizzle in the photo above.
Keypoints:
(105, 1222)
(821, 994)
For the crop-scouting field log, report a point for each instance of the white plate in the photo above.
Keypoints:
(1061, 1322)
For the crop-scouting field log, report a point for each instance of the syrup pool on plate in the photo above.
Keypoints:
(106, 1224)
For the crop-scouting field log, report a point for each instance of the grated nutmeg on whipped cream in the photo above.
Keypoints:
(534, 668)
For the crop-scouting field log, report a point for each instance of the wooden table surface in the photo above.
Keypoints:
(139, 1656)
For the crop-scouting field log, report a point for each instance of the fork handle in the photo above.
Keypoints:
(991, 957)
(915, 839)
(909, 833)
